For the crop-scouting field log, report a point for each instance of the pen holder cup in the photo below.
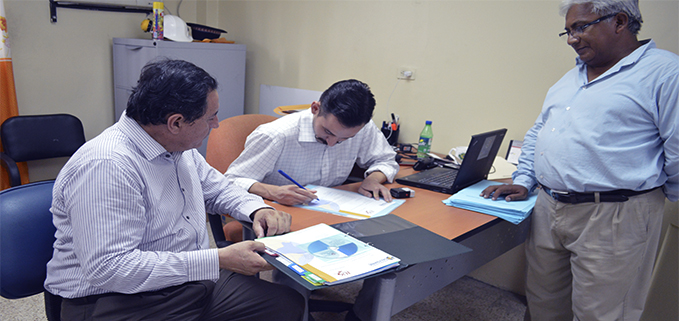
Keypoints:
(391, 135)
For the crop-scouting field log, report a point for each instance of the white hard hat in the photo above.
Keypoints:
(174, 28)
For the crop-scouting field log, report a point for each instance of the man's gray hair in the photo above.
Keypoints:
(606, 7)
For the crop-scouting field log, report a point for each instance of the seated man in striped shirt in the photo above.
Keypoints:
(130, 206)
(318, 146)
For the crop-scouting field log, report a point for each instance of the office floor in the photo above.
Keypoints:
(466, 299)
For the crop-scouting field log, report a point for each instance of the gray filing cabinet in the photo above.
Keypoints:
(225, 62)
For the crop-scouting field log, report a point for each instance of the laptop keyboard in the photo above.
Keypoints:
(445, 179)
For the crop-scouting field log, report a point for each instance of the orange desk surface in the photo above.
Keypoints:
(426, 209)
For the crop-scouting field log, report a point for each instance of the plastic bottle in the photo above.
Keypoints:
(158, 8)
(424, 144)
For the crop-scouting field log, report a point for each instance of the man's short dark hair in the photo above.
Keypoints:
(168, 87)
(350, 101)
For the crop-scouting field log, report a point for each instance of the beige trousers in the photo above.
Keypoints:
(592, 261)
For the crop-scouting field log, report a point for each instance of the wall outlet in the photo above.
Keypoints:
(406, 73)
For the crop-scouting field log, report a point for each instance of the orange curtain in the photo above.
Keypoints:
(8, 97)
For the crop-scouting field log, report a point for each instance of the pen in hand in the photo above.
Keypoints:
(292, 180)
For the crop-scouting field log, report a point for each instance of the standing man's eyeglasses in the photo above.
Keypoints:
(576, 31)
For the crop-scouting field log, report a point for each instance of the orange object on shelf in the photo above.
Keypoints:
(284, 110)
(218, 40)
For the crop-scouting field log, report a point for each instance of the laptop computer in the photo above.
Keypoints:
(475, 166)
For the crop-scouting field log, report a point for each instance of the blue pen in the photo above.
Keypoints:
(292, 180)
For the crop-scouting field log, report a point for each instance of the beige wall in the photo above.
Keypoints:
(480, 65)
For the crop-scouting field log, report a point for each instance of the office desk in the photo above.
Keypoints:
(388, 294)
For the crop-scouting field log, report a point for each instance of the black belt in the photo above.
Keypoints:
(89, 299)
(619, 195)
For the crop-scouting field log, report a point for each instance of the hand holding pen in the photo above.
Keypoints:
(290, 195)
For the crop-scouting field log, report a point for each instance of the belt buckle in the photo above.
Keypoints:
(558, 194)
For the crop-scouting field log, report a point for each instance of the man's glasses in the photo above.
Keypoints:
(577, 31)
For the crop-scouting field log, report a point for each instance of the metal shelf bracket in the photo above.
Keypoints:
(92, 6)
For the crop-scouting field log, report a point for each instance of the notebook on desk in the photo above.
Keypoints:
(475, 166)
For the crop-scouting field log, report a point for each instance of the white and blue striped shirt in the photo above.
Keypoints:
(130, 216)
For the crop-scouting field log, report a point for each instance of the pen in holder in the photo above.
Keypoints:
(390, 131)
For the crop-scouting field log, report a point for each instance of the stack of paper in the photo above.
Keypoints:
(324, 255)
(469, 199)
(350, 204)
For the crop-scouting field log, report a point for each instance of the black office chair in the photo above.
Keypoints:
(26, 240)
(27, 138)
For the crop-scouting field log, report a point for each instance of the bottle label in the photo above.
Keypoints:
(158, 23)
(423, 147)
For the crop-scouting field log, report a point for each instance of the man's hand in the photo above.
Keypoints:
(242, 257)
(372, 187)
(512, 192)
(286, 195)
(268, 222)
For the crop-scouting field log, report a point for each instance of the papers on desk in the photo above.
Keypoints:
(501, 169)
(350, 204)
(322, 255)
(469, 199)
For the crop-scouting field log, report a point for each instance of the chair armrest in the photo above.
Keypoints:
(217, 231)
(12, 169)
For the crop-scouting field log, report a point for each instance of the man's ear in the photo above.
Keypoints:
(315, 107)
(621, 21)
(175, 123)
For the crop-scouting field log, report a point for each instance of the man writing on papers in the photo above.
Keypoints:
(129, 207)
(605, 153)
(318, 146)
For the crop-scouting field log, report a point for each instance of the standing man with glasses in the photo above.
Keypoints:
(318, 146)
(605, 153)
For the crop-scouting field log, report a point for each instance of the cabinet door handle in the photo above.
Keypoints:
(134, 48)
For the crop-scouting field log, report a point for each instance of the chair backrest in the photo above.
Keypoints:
(26, 138)
(224, 145)
(34, 137)
(26, 238)
(227, 141)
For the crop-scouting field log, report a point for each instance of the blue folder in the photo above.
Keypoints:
(469, 199)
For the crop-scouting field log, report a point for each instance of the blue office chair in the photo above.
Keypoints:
(34, 137)
(26, 240)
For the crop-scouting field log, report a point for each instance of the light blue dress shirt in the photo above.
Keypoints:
(130, 216)
(619, 131)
